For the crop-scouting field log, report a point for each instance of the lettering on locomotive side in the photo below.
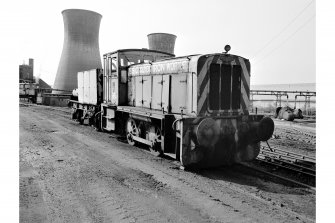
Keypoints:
(160, 68)
(176, 67)
(144, 69)
(133, 71)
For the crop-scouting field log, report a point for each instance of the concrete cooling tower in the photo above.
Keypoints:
(80, 47)
(162, 42)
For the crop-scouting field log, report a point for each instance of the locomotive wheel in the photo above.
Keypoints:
(156, 148)
(75, 114)
(80, 117)
(97, 124)
(131, 130)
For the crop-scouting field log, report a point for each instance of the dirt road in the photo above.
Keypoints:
(71, 173)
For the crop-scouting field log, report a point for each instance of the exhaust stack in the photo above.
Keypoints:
(80, 47)
(162, 42)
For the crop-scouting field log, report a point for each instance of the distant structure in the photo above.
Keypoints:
(80, 47)
(41, 83)
(162, 42)
(26, 72)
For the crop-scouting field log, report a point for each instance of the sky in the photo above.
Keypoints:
(277, 36)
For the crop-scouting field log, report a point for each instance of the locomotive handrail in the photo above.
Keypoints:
(173, 124)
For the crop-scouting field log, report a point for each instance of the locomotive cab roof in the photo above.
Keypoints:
(138, 50)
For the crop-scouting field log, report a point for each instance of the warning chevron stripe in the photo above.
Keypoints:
(244, 98)
(202, 102)
(245, 71)
(203, 81)
(245, 90)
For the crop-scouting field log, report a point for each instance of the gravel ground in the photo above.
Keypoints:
(71, 173)
(298, 136)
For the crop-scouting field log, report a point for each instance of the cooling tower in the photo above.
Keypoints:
(162, 42)
(80, 47)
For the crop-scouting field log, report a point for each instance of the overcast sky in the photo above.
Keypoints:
(277, 36)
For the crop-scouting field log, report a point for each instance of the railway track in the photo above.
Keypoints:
(293, 167)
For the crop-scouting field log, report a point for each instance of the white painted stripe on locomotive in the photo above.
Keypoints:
(245, 71)
(203, 96)
(245, 96)
(203, 72)
(195, 92)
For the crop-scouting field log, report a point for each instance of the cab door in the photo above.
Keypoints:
(114, 81)
(110, 82)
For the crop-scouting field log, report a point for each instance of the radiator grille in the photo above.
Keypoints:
(224, 86)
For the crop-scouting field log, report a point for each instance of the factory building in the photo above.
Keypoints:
(26, 72)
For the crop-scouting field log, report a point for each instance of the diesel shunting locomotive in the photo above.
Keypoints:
(192, 108)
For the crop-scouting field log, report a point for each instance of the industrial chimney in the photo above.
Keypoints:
(162, 42)
(31, 64)
(80, 47)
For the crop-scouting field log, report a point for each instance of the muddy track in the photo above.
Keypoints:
(71, 173)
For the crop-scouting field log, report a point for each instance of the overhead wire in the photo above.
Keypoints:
(273, 50)
(284, 29)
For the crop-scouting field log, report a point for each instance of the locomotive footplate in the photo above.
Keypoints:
(142, 112)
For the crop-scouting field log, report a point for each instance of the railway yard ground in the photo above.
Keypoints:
(72, 173)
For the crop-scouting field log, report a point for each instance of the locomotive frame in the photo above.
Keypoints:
(192, 108)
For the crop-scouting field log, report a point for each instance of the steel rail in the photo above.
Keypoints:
(280, 177)
(294, 166)
(289, 160)
(303, 157)
(286, 167)
(283, 155)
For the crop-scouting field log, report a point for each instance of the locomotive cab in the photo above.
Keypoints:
(115, 80)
